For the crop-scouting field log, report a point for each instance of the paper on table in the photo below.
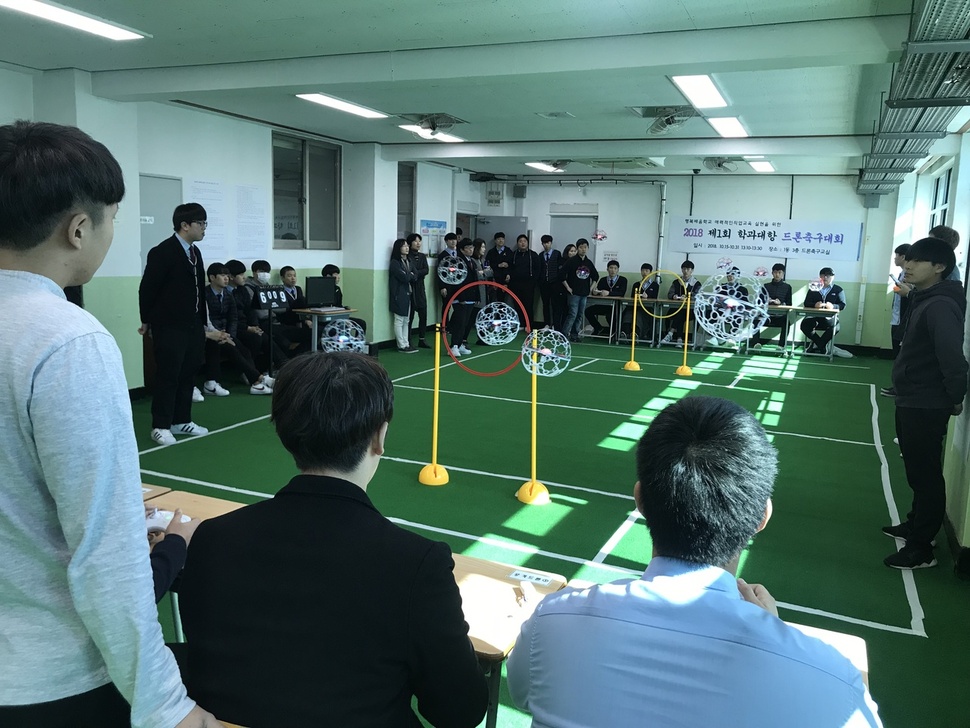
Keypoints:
(158, 520)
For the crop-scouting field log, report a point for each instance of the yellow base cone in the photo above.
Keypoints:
(632, 366)
(533, 493)
(685, 371)
(433, 475)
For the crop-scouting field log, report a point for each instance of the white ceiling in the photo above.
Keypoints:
(804, 76)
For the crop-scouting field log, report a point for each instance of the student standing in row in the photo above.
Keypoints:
(550, 287)
(419, 302)
(579, 273)
(401, 279)
(523, 276)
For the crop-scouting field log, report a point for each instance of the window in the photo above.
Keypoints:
(405, 198)
(941, 199)
(306, 194)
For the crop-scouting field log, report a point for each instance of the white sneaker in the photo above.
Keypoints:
(189, 428)
(668, 338)
(587, 330)
(456, 351)
(756, 346)
(464, 349)
(163, 437)
(713, 341)
(196, 397)
(841, 352)
(269, 381)
(215, 389)
(895, 440)
(260, 388)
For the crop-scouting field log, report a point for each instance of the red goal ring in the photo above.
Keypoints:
(444, 327)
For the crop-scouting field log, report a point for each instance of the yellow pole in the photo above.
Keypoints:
(532, 491)
(684, 370)
(434, 474)
(632, 365)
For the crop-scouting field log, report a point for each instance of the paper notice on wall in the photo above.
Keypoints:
(212, 196)
(252, 223)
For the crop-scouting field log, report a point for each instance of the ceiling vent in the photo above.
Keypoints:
(434, 122)
(665, 118)
(624, 164)
(555, 115)
(721, 164)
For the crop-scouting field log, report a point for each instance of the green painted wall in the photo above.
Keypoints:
(114, 302)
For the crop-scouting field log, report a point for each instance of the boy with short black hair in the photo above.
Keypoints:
(828, 296)
(678, 292)
(81, 644)
(930, 379)
(779, 293)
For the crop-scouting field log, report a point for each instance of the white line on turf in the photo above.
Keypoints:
(190, 438)
(628, 415)
(443, 366)
(584, 364)
(527, 549)
(660, 379)
(736, 380)
(909, 582)
(615, 538)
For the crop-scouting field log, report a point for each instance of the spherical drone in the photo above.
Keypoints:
(730, 306)
(546, 353)
(497, 324)
(452, 272)
(343, 335)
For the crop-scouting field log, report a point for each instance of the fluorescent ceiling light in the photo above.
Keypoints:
(700, 91)
(429, 134)
(754, 156)
(340, 105)
(73, 19)
(543, 167)
(762, 166)
(728, 126)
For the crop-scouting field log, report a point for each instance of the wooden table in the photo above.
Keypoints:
(196, 506)
(489, 597)
(152, 491)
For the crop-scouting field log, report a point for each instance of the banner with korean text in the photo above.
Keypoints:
(767, 238)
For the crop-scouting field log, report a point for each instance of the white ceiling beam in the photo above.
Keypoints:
(846, 42)
(832, 146)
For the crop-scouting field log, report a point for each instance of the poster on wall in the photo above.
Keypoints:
(252, 222)
(768, 238)
(212, 196)
(433, 234)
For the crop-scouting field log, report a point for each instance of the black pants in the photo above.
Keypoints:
(99, 708)
(179, 352)
(819, 323)
(922, 433)
(600, 309)
(238, 355)
(525, 290)
(421, 309)
(774, 322)
(461, 316)
(259, 347)
(553, 303)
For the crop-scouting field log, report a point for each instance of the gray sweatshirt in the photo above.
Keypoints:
(76, 599)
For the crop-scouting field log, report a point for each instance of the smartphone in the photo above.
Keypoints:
(894, 279)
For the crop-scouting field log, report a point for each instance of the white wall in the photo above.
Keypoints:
(16, 96)
(434, 195)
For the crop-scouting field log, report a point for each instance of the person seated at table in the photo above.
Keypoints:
(678, 292)
(651, 289)
(688, 643)
(311, 608)
(779, 294)
(248, 331)
(612, 284)
(829, 297)
(332, 271)
(169, 550)
(295, 327)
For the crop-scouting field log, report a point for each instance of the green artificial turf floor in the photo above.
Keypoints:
(840, 480)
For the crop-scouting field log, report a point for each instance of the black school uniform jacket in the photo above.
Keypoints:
(172, 290)
(312, 609)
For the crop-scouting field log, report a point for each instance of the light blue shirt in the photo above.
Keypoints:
(77, 606)
(897, 299)
(678, 648)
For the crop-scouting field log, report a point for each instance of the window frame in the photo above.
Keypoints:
(304, 200)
